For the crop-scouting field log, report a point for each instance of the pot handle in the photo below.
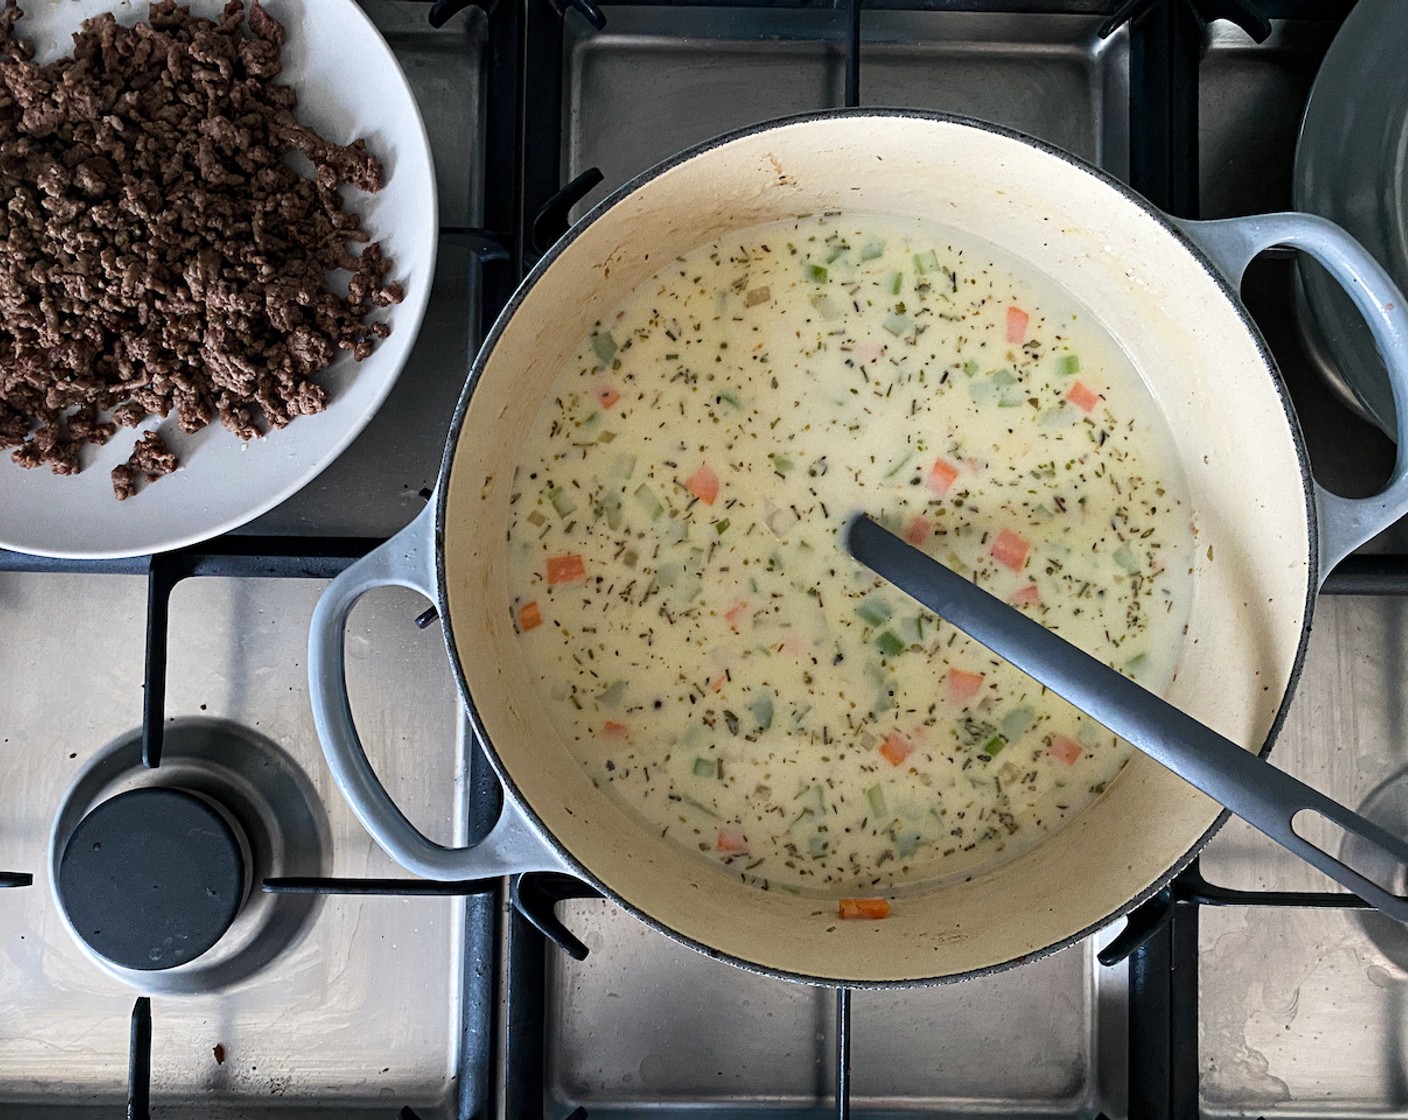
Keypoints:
(1231, 243)
(514, 844)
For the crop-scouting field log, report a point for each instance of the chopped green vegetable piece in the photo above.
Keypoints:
(874, 611)
(872, 250)
(826, 307)
(876, 796)
(561, 502)
(926, 262)
(889, 643)
(1069, 364)
(1125, 559)
(971, 368)
(606, 437)
(899, 465)
(721, 526)
(611, 696)
(604, 346)
(896, 324)
(993, 747)
(1016, 723)
(780, 464)
(835, 252)
(816, 273)
(730, 398)
(762, 711)
(894, 282)
(649, 502)
(705, 768)
(907, 844)
(1003, 378)
(623, 466)
(1137, 664)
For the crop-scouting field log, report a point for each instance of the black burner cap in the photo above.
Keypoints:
(152, 878)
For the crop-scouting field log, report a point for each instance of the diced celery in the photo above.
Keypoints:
(705, 768)
(889, 643)
(993, 747)
(731, 398)
(826, 307)
(1069, 364)
(623, 466)
(971, 368)
(1125, 559)
(926, 262)
(894, 282)
(561, 502)
(872, 250)
(876, 797)
(906, 844)
(780, 463)
(1017, 723)
(816, 273)
(1136, 665)
(721, 526)
(762, 711)
(611, 696)
(649, 502)
(1003, 378)
(604, 346)
(896, 324)
(835, 253)
(873, 612)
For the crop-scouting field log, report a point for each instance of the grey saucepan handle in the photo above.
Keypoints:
(1231, 243)
(514, 844)
(1263, 796)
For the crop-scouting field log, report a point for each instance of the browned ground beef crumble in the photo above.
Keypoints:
(156, 254)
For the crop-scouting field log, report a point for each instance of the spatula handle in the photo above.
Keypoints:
(1265, 797)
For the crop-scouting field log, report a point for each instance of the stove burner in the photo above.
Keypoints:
(163, 902)
(153, 877)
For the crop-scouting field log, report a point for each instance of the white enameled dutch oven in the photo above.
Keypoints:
(1166, 289)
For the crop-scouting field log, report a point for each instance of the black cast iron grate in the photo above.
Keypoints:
(525, 208)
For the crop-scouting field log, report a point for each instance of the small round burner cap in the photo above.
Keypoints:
(152, 878)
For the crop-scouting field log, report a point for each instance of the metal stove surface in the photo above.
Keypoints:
(1300, 1013)
(359, 1010)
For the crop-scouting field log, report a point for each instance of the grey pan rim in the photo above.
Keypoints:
(511, 789)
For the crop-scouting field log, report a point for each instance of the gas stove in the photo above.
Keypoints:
(156, 730)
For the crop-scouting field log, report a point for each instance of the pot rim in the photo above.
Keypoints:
(560, 246)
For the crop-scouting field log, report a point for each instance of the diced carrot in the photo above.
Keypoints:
(717, 684)
(613, 730)
(896, 748)
(566, 569)
(1028, 596)
(974, 465)
(1083, 397)
(941, 476)
(736, 613)
(869, 909)
(963, 685)
(530, 617)
(731, 840)
(1017, 325)
(704, 485)
(1064, 750)
(919, 531)
(607, 396)
(1010, 549)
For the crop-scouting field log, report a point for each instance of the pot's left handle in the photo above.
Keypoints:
(514, 844)
(1231, 243)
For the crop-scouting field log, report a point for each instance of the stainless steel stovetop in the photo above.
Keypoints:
(379, 1003)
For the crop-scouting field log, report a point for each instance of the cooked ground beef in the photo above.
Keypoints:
(156, 254)
(151, 457)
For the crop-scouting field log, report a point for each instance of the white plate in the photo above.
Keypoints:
(349, 85)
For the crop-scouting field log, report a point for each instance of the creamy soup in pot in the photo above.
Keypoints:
(718, 662)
